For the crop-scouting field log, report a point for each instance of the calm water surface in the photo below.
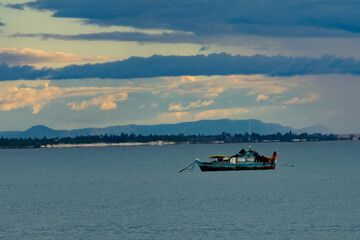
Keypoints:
(136, 193)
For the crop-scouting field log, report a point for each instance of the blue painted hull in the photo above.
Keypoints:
(222, 166)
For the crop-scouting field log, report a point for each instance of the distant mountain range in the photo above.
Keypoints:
(203, 127)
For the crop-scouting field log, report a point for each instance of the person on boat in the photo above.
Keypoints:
(265, 159)
(274, 157)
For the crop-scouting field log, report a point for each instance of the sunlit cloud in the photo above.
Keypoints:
(268, 88)
(220, 113)
(175, 82)
(154, 105)
(14, 97)
(175, 117)
(213, 86)
(308, 99)
(192, 105)
(16, 56)
(106, 98)
(262, 97)
(107, 102)
(201, 115)
(214, 91)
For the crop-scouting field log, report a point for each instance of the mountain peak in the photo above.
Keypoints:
(39, 127)
(39, 131)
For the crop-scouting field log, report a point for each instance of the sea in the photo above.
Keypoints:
(136, 192)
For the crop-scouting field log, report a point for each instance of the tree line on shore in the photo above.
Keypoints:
(179, 138)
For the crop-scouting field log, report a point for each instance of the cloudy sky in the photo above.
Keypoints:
(94, 63)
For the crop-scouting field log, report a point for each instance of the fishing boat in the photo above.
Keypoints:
(244, 160)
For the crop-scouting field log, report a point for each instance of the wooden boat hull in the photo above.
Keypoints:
(219, 166)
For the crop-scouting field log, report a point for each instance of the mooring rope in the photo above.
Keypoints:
(188, 168)
(288, 165)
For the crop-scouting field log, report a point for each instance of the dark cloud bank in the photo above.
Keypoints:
(304, 18)
(124, 36)
(214, 64)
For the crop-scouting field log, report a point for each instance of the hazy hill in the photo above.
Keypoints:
(205, 127)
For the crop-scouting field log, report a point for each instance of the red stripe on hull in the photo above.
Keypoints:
(212, 169)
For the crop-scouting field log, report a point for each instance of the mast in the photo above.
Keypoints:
(247, 154)
(249, 132)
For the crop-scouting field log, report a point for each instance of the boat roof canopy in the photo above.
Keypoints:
(219, 156)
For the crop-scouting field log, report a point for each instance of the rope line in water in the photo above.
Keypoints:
(288, 165)
(188, 168)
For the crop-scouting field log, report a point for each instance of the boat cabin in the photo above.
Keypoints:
(242, 157)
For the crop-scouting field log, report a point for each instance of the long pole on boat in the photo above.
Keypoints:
(246, 158)
(249, 132)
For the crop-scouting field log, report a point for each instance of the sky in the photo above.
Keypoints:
(95, 63)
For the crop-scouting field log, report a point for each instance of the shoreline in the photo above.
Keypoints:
(153, 143)
(69, 145)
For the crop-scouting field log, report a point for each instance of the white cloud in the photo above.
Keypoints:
(308, 99)
(208, 114)
(175, 117)
(13, 97)
(192, 105)
(220, 113)
(107, 102)
(154, 105)
(213, 86)
(262, 97)
(173, 83)
(16, 56)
